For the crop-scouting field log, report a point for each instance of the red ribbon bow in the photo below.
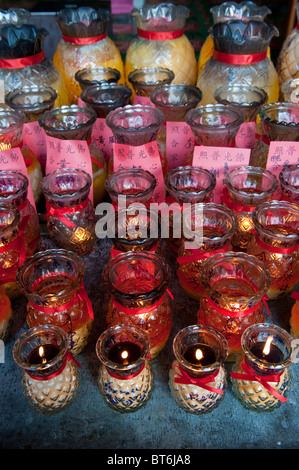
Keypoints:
(185, 379)
(160, 35)
(22, 61)
(262, 379)
(138, 311)
(89, 40)
(127, 377)
(60, 213)
(274, 249)
(295, 295)
(239, 313)
(199, 255)
(68, 357)
(239, 59)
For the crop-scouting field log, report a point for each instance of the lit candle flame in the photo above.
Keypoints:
(41, 352)
(198, 354)
(266, 349)
(124, 354)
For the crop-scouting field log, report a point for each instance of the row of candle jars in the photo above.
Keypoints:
(197, 379)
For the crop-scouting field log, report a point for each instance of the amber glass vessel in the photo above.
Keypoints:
(276, 243)
(24, 63)
(246, 188)
(137, 284)
(14, 190)
(145, 79)
(235, 285)
(96, 75)
(12, 249)
(208, 229)
(161, 42)
(52, 281)
(50, 375)
(240, 58)
(288, 59)
(261, 378)
(279, 121)
(84, 44)
(225, 11)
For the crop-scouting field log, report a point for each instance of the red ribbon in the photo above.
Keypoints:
(202, 382)
(115, 252)
(239, 59)
(234, 205)
(160, 35)
(81, 295)
(262, 379)
(295, 295)
(266, 140)
(94, 160)
(69, 357)
(138, 311)
(199, 255)
(273, 249)
(127, 377)
(23, 61)
(240, 313)
(89, 40)
(59, 213)
(19, 246)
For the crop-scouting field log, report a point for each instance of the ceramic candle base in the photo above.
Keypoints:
(126, 395)
(125, 377)
(193, 398)
(261, 377)
(50, 374)
(197, 378)
(54, 395)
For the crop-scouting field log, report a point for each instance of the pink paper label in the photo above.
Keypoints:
(179, 141)
(146, 157)
(103, 137)
(13, 160)
(280, 154)
(246, 136)
(121, 6)
(34, 137)
(68, 154)
(143, 100)
(219, 161)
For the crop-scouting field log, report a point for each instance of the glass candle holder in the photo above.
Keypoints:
(138, 288)
(261, 378)
(11, 136)
(276, 243)
(289, 183)
(246, 188)
(145, 79)
(12, 248)
(249, 100)
(70, 213)
(174, 100)
(90, 76)
(214, 125)
(14, 190)
(103, 98)
(235, 292)
(136, 125)
(33, 101)
(52, 281)
(76, 123)
(125, 377)
(208, 229)
(6, 314)
(161, 42)
(50, 374)
(279, 121)
(84, 43)
(186, 185)
(135, 229)
(133, 185)
(197, 379)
